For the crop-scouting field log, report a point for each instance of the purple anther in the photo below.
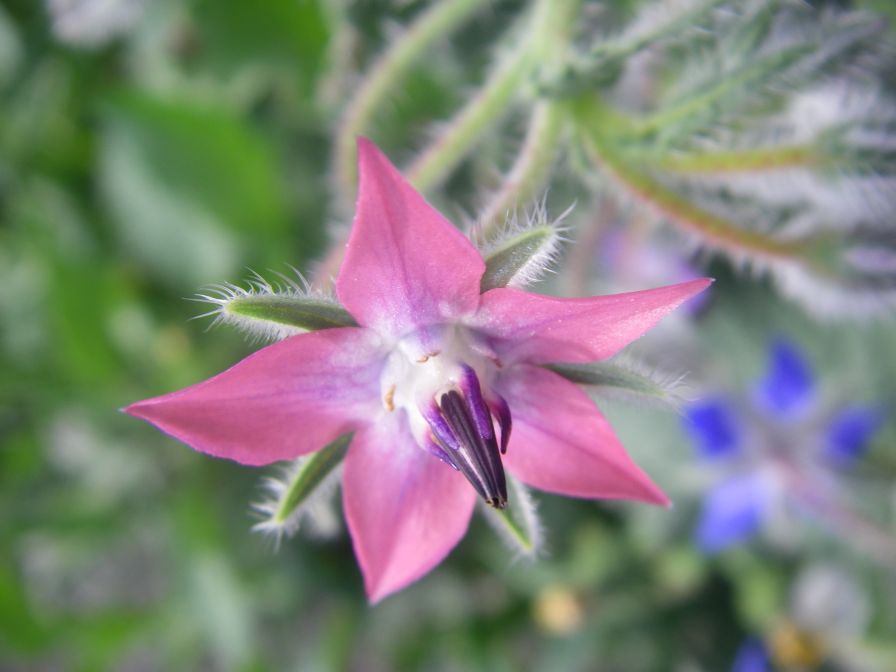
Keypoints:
(436, 450)
(440, 429)
(477, 457)
(501, 411)
(478, 408)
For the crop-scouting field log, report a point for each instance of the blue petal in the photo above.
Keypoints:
(751, 657)
(850, 432)
(713, 427)
(788, 385)
(732, 512)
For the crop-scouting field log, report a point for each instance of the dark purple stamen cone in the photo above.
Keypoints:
(463, 433)
(478, 457)
(501, 411)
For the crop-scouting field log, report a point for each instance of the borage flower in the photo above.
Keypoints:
(783, 449)
(429, 383)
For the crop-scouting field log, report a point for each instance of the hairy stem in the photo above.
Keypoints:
(548, 28)
(442, 18)
(743, 161)
(725, 92)
(863, 533)
(531, 168)
(711, 228)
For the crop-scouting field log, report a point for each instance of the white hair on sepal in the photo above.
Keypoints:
(514, 228)
(316, 514)
(651, 386)
(519, 526)
(223, 295)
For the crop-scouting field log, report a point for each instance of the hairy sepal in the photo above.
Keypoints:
(518, 524)
(272, 312)
(625, 379)
(522, 252)
(303, 491)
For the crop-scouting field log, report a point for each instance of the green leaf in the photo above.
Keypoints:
(520, 257)
(11, 51)
(194, 191)
(289, 36)
(307, 483)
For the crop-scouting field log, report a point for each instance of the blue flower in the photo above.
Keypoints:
(788, 387)
(850, 432)
(751, 657)
(713, 425)
(733, 511)
(758, 446)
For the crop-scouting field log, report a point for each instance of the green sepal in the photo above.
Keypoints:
(289, 311)
(629, 380)
(519, 257)
(308, 480)
(517, 524)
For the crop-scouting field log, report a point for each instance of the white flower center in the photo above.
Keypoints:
(426, 364)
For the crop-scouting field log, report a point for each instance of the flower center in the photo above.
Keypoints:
(442, 381)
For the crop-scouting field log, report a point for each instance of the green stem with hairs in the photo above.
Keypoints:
(729, 88)
(548, 28)
(711, 228)
(531, 168)
(442, 18)
(740, 161)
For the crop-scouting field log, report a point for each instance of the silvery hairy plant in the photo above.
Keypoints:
(760, 131)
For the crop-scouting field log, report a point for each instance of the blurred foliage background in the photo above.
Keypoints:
(148, 149)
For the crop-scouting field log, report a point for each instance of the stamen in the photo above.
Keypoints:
(436, 450)
(476, 404)
(478, 458)
(440, 428)
(501, 411)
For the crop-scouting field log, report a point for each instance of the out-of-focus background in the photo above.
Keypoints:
(150, 149)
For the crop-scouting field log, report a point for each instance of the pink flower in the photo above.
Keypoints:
(429, 384)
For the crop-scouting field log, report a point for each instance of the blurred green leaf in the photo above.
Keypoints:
(181, 182)
(206, 155)
(288, 34)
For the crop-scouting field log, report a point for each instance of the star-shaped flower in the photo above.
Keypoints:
(429, 384)
(784, 449)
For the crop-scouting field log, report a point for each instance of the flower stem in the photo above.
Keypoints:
(743, 161)
(545, 38)
(442, 18)
(548, 27)
(863, 533)
(592, 118)
(531, 168)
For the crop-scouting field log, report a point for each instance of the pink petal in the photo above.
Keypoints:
(285, 400)
(536, 328)
(405, 264)
(405, 508)
(562, 443)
